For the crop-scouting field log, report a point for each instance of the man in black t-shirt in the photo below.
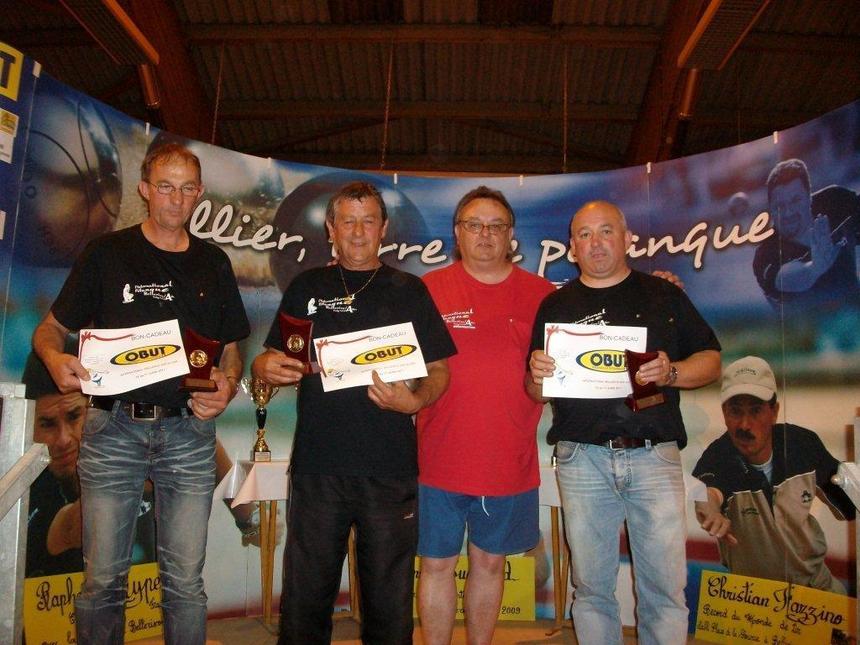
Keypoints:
(616, 466)
(762, 477)
(354, 460)
(810, 259)
(150, 273)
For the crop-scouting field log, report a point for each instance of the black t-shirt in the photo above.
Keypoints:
(796, 451)
(48, 495)
(837, 284)
(674, 326)
(122, 280)
(343, 432)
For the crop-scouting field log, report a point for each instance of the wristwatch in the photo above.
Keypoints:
(673, 375)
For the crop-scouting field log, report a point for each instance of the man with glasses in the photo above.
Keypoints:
(143, 274)
(477, 457)
(762, 477)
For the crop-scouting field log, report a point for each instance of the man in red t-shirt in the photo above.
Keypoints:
(477, 456)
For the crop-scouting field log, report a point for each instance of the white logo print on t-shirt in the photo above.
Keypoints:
(152, 290)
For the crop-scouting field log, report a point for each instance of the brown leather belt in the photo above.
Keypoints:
(136, 411)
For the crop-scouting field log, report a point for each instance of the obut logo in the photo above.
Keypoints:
(144, 354)
(603, 360)
(382, 354)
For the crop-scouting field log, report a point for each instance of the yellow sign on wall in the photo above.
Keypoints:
(49, 610)
(11, 64)
(518, 597)
(740, 609)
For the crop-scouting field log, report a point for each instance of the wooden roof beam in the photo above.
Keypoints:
(32, 39)
(754, 118)
(269, 110)
(655, 130)
(626, 37)
(484, 113)
(809, 45)
(184, 108)
(114, 30)
(554, 143)
(284, 145)
(719, 32)
(805, 44)
(538, 164)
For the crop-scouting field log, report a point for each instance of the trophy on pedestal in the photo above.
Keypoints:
(645, 395)
(261, 392)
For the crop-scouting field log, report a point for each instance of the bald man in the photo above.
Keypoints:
(616, 466)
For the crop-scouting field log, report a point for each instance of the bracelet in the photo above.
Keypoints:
(232, 380)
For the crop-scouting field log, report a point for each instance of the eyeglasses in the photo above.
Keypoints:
(187, 190)
(476, 227)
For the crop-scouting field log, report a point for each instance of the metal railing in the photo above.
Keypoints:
(21, 462)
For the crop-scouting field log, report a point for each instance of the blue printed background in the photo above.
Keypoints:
(74, 175)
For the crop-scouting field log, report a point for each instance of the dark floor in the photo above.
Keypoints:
(251, 631)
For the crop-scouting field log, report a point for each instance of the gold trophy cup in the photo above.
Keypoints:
(261, 392)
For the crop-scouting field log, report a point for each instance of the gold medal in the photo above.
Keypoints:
(295, 343)
(198, 358)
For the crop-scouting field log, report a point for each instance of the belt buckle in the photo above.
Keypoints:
(138, 415)
(611, 445)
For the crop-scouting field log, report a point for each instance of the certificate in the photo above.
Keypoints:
(347, 360)
(120, 360)
(589, 359)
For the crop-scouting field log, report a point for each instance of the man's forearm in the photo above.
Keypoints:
(231, 364)
(715, 499)
(534, 390)
(432, 386)
(49, 337)
(49, 340)
(698, 369)
(706, 511)
(796, 276)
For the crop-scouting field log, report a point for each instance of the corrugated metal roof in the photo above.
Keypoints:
(474, 83)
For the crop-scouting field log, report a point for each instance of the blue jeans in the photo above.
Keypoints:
(117, 455)
(600, 489)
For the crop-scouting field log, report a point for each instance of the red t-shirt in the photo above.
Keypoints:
(479, 437)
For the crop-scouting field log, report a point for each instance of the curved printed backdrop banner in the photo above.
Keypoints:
(17, 80)
(703, 217)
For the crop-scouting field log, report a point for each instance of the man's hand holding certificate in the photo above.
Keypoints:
(589, 360)
(120, 360)
(348, 360)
